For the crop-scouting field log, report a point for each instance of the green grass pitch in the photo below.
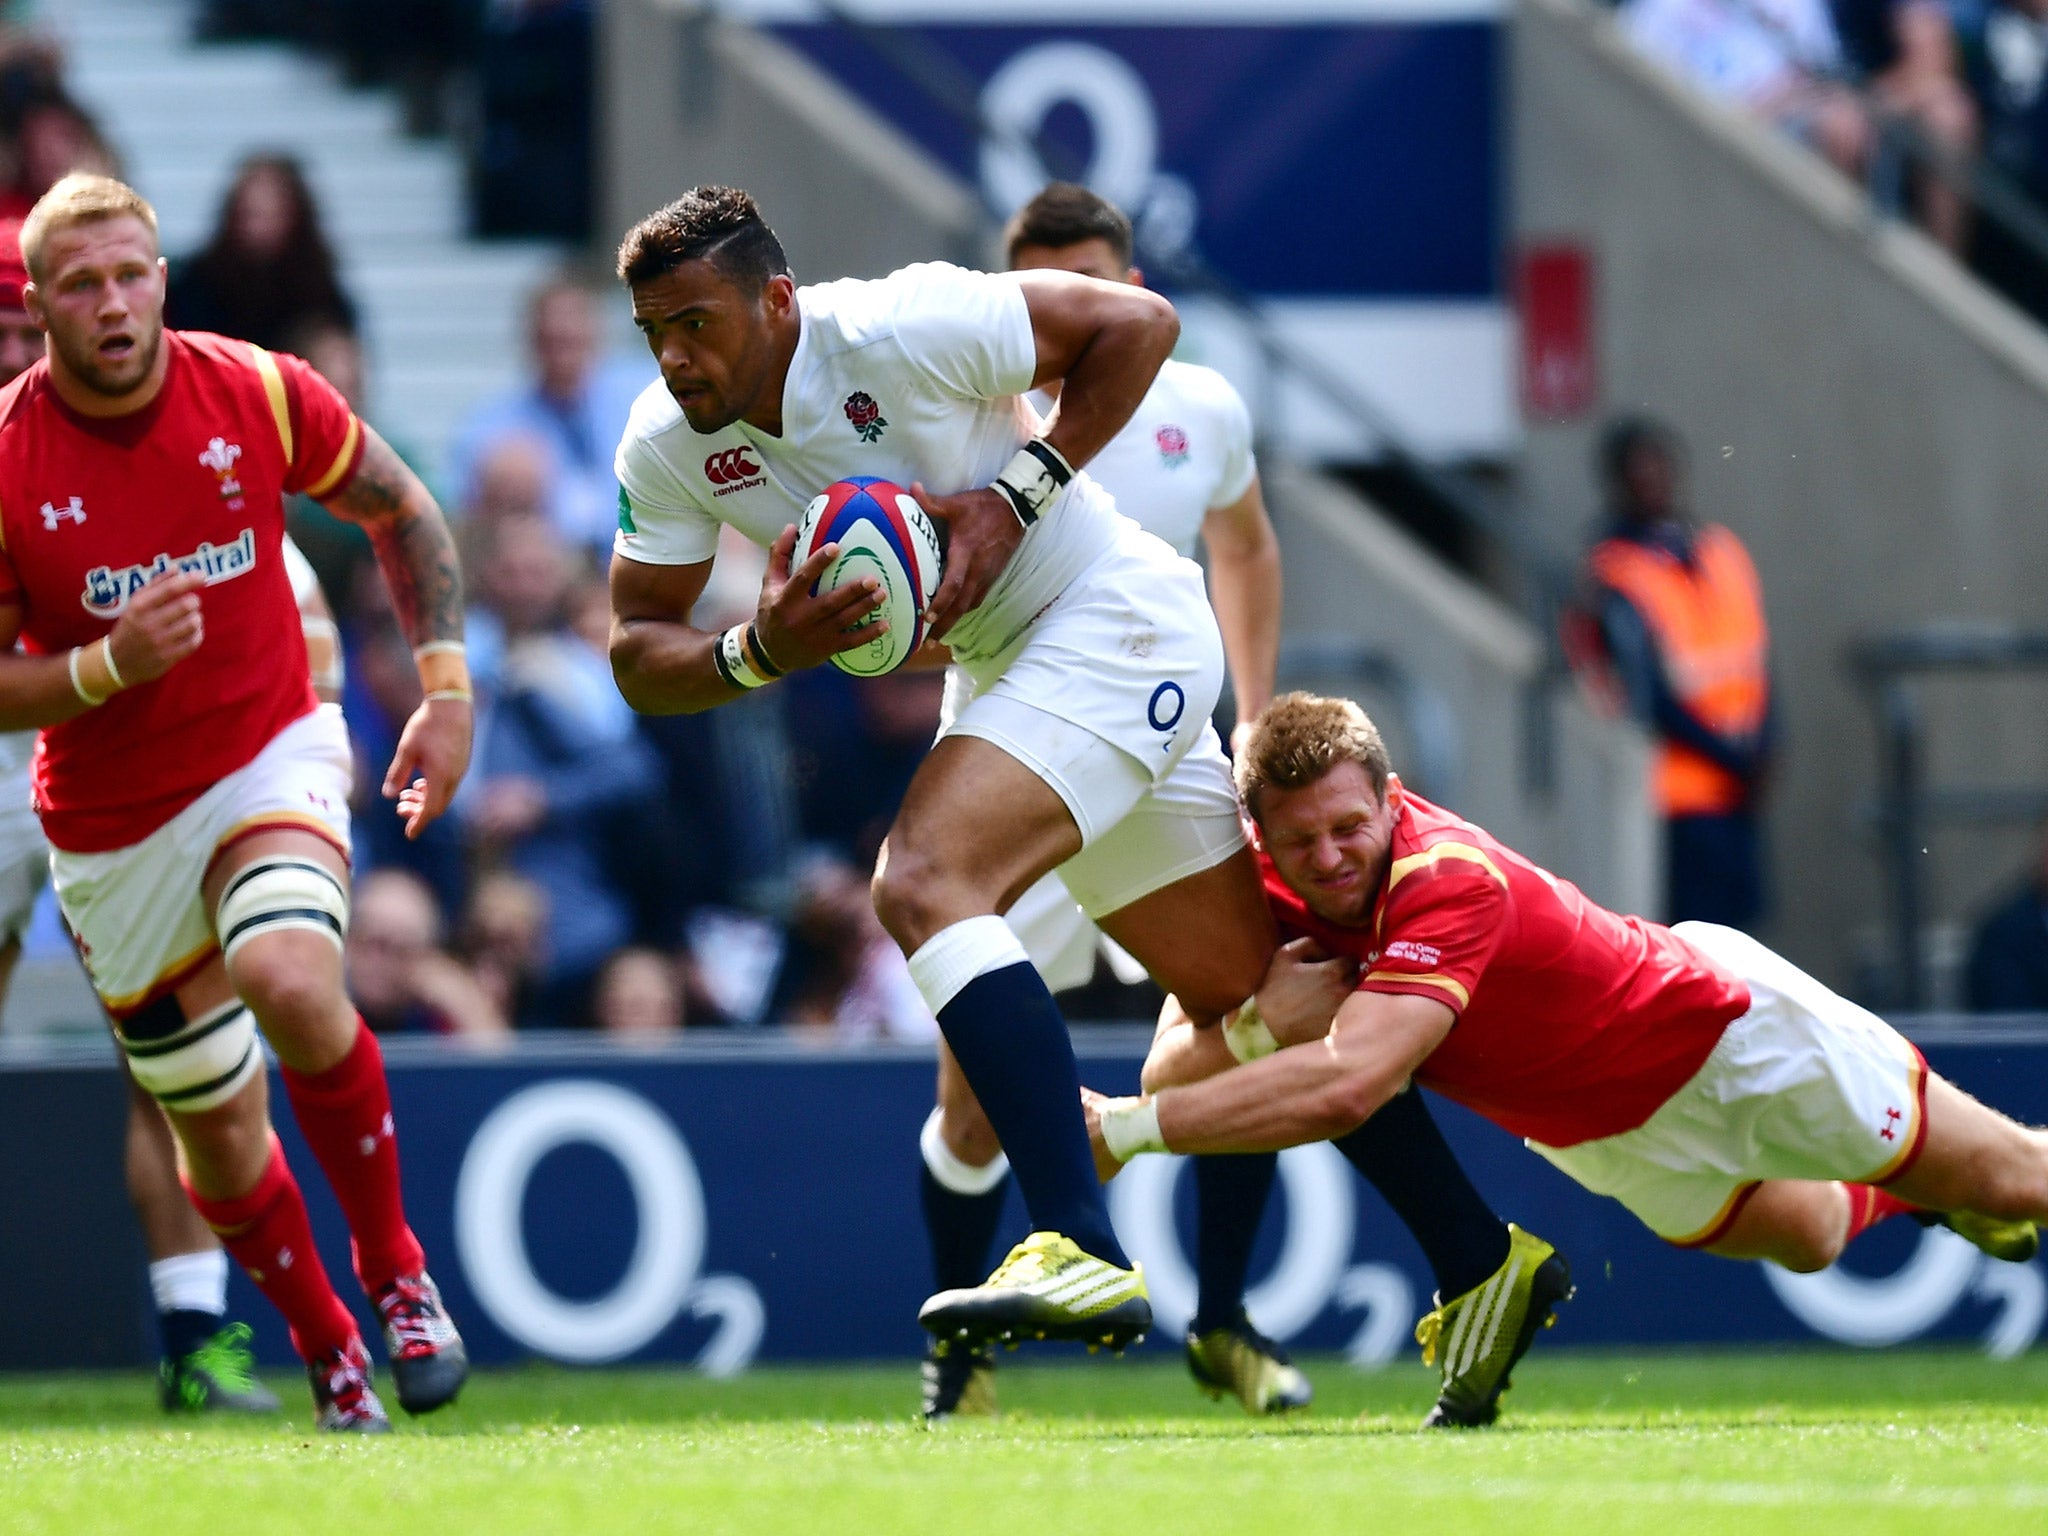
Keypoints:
(1594, 1443)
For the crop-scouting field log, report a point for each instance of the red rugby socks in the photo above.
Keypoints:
(345, 1115)
(267, 1232)
(1868, 1205)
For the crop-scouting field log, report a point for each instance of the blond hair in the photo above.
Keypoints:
(79, 198)
(1299, 737)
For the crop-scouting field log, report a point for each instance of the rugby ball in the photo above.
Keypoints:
(881, 532)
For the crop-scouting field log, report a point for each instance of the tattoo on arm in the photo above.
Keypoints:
(411, 540)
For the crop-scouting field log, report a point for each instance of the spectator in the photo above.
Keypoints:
(576, 405)
(398, 974)
(1678, 614)
(531, 166)
(2005, 44)
(639, 996)
(1776, 58)
(2009, 954)
(268, 270)
(504, 938)
(855, 984)
(559, 771)
(1904, 52)
(53, 137)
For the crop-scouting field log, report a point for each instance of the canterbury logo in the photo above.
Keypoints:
(732, 465)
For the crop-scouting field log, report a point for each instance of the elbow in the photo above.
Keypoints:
(632, 686)
(1162, 323)
(1346, 1105)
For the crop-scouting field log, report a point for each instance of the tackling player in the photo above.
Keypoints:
(194, 793)
(1730, 1101)
(1094, 657)
(1181, 468)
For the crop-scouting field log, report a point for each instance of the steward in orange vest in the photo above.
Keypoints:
(1680, 618)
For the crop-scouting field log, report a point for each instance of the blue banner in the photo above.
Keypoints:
(727, 1205)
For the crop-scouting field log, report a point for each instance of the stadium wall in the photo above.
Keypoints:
(1871, 420)
(723, 1204)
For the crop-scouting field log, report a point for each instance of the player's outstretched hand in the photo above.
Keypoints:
(799, 630)
(432, 756)
(1092, 1105)
(982, 532)
(1303, 990)
(163, 625)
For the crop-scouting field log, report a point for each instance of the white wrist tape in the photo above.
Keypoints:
(1032, 478)
(733, 663)
(1246, 1033)
(1131, 1126)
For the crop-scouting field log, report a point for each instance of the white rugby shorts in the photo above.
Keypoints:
(137, 913)
(24, 856)
(1805, 1085)
(1107, 698)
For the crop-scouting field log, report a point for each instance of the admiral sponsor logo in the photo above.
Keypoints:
(733, 469)
(107, 590)
(1415, 954)
(73, 511)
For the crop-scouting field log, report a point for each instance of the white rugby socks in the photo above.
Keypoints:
(951, 958)
(191, 1282)
(961, 1178)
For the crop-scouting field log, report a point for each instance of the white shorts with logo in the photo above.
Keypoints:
(1107, 698)
(1805, 1085)
(138, 914)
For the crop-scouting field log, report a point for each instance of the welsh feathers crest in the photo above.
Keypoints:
(220, 456)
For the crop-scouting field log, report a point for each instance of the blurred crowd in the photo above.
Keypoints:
(1886, 90)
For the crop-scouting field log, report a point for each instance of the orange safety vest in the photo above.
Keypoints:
(1707, 620)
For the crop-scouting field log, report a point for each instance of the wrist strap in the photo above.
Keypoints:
(1032, 478)
(93, 677)
(1246, 1033)
(734, 662)
(444, 667)
(1131, 1126)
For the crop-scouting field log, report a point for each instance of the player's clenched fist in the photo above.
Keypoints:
(1303, 989)
(163, 625)
(800, 630)
(982, 532)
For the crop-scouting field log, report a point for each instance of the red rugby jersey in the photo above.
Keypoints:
(1573, 1022)
(90, 509)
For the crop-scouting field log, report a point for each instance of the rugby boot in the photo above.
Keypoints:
(2016, 1242)
(1475, 1339)
(428, 1362)
(1242, 1361)
(959, 1383)
(342, 1393)
(1047, 1288)
(217, 1377)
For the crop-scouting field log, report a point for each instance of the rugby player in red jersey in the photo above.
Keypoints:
(1730, 1101)
(195, 796)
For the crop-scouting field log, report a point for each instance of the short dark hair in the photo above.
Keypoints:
(721, 225)
(1065, 214)
(1625, 436)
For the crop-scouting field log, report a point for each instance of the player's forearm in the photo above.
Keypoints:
(1301, 1094)
(1183, 1053)
(36, 691)
(420, 566)
(666, 668)
(1108, 380)
(1244, 587)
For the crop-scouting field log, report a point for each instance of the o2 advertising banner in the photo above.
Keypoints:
(727, 1205)
(1339, 160)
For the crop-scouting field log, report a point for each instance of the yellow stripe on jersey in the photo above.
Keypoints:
(1455, 988)
(280, 405)
(1402, 868)
(328, 481)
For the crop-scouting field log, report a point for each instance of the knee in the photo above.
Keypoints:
(914, 895)
(289, 995)
(1812, 1241)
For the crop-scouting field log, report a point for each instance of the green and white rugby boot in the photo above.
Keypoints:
(1475, 1339)
(1047, 1288)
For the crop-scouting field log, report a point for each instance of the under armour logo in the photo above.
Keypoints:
(71, 511)
(1888, 1130)
(733, 464)
(284, 1258)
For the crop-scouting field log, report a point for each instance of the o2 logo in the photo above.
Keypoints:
(1122, 122)
(1314, 1270)
(661, 1277)
(1857, 1309)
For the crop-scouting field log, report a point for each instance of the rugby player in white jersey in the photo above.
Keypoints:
(1095, 658)
(1183, 469)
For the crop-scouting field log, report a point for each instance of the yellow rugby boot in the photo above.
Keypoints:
(1242, 1361)
(1047, 1288)
(2016, 1242)
(1475, 1339)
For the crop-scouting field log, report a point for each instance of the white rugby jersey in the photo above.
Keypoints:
(918, 376)
(1186, 450)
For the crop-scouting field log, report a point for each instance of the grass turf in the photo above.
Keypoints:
(1594, 1443)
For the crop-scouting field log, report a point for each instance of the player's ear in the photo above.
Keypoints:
(1394, 792)
(780, 296)
(1135, 277)
(32, 301)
